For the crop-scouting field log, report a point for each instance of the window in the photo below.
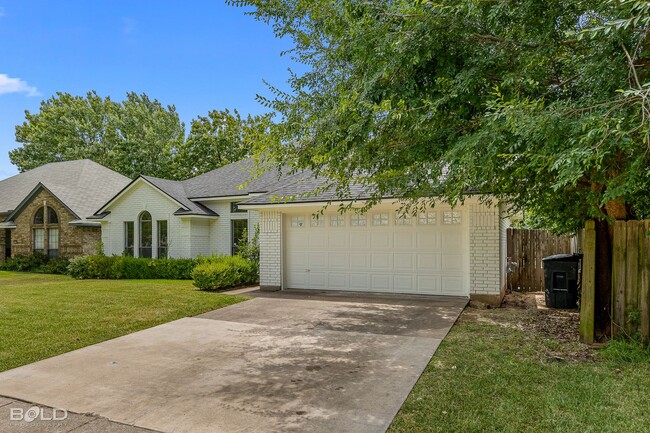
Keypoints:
(146, 235)
(427, 218)
(39, 240)
(53, 242)
(297, 221)
(46, 231)
(451, 217)
(7, 243)
(162, 239)
(317, 221)
(239, 227)
(39, 217)
(234, 208)
(337, 220)
(403, 219)
(380, 219)
(357, 220)
(129, 238)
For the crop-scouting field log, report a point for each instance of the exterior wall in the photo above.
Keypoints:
(270, 250)
(144, 197)
(73, 241)
(485, 250)
(221, 228)
(3, 241)
(200, 244)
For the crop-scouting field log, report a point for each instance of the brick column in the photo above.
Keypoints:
(484, 243)
(270, 250)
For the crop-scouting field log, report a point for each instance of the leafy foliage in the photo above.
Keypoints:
(135, 136)
(218, 139)
(542, 104)
(130, 268)
(250, 249)
(224, 272)
(36, 262)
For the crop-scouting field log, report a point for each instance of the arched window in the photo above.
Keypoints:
(46, 231)
(146, 235)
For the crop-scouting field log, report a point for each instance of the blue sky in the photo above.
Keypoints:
(197, 55)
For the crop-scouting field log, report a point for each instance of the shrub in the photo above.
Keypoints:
(125, 267)
(250, 249)
(36, 262)
(222, 272)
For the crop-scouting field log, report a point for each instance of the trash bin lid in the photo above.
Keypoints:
(563, 258)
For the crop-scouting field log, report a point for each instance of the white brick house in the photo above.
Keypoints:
(305, 243)
(154, 217)
(456, 251)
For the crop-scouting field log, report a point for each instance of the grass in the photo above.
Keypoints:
(502, 371)
(46, 315)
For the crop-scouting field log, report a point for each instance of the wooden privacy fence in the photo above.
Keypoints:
(630, 281)
(631, 278)
(525, 251)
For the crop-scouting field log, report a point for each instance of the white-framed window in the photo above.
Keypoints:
(298, 221)
(39, 240)
(452, 217)
(317, 221)
(357, 220)
(337, 221)
(403, 219)
(380, 219)
(427, 218)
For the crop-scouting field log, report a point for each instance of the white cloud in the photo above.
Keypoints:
(16, 85)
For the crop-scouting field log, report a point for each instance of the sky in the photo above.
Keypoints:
(198, 55)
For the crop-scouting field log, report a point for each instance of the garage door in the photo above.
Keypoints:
(378, 252)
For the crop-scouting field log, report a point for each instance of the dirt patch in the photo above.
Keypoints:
(519, 310)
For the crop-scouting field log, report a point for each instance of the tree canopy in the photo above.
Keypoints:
(135, 136)
(542, 104)
(218, 139)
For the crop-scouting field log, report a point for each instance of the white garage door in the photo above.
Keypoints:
(379, 252)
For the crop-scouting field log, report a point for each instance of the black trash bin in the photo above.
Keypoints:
(561, 280)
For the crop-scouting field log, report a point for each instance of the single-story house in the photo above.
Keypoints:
(45, 209)
(456, 251)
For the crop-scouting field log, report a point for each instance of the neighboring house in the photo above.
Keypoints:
(154, 217)
(446, 251)
(45, 209)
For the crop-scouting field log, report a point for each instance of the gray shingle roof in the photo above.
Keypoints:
(229, 180)
(176, 190)
(306, 188)
(82, 185)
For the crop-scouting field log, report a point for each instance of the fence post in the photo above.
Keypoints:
(619, 265)
(588, 297)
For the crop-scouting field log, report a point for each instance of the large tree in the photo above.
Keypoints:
(543, 104)
(135, 136)
(218, 139)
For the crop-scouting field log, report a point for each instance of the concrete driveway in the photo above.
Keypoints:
(288, 361)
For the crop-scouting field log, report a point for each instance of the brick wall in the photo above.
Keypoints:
(485, 250)
(270, 250)
(2, 241)
(73, 241)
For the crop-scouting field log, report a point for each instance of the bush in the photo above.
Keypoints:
(36, 262)
(250, 250)
(223, 272)
(131, 268)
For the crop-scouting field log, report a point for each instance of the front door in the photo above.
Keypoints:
(238, 229)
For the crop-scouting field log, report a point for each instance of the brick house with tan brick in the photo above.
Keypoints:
(46, 209)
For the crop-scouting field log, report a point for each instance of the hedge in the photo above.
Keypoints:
(127, 268)
(36, 262)
(224, 272)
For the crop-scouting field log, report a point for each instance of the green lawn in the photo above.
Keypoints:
(46, 315)
(504, 370)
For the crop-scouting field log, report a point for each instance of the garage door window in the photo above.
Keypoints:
(297, 221)
(380, 219)
(427, 218)
(317, 221)
(337, 221)
(402, 219)
(451, 217)
(357, 220)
